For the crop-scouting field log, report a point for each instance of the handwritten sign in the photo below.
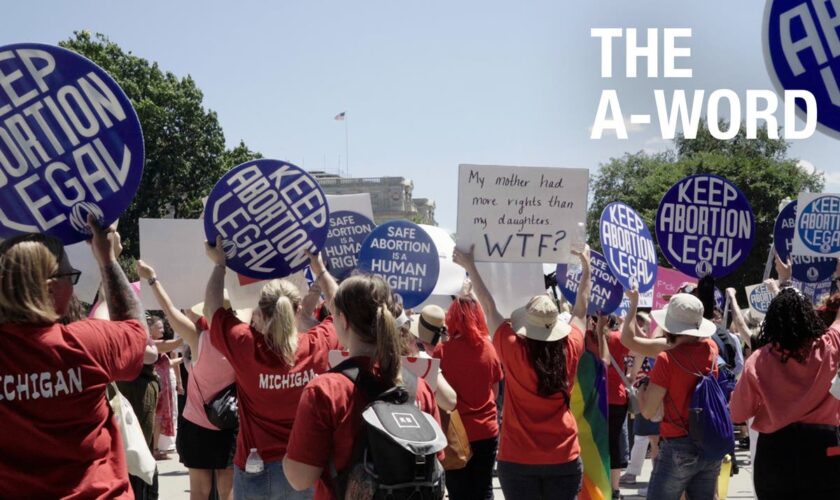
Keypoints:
(759, 298)
(404, 255)
(705, 226)
(817, 230)
(70, 143)
(628, 246)
(520, 214)
(606, 290)
(270, 214)
(805, 268)
(344, 239)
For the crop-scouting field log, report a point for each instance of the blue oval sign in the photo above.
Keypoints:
(404, 256)
(760, 298)
(270, 214)
(344, 239)
(805, 268)
(628, 246)
(70, 143)
(606, 290)
(802, 52)
(819, 224)
(705, 226)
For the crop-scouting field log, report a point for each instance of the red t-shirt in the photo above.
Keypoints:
(616, 392)
(329, 417)
(472, 369)
(59, 437)
(535, 429)
(679, 384)
(267, 388)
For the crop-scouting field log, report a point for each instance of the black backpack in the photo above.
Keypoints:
(395, 451)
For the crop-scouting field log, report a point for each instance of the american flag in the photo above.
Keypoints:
(340, 116)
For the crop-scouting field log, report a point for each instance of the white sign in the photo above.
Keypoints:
(520, 214)
(451, 276)
(759, 298)
(512, 284)
(353, 202)
(426, 368)
(81, 258)
(817, 229)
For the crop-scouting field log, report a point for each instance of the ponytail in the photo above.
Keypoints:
(387, 345)
(278, 301)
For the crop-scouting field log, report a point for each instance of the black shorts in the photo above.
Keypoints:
(200, 448)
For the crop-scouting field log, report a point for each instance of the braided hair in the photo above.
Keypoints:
(791, 326)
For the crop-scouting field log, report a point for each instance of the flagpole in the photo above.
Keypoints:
(346, 145)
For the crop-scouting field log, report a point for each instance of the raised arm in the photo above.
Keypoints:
(323, 279)
(602, 331)
(123, 303)
(738, 320)
(640, 345)
(214, 295)
(485, 298)
(584, 290)
(181, 324)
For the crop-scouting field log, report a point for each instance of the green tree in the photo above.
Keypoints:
(184, 143)
(759, 167)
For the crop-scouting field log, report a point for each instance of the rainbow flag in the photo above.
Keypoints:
(589, 406)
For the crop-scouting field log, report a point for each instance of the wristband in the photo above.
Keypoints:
(152, 280)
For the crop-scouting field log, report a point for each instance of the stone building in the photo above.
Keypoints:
(391, 197)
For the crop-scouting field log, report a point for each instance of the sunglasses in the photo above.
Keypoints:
(72, 275)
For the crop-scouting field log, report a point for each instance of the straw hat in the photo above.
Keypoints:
(540, 320)
(430, 325)
(198, 309)
(684, 316)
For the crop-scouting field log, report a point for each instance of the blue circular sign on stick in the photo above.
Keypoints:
(819, 224)
(405, 256)
(347, 231)
(805, 268)
(705, 226)
(802, 52)
(606, 289)
(70, 143)
(760, 298)
(270, 214)
(628, 246)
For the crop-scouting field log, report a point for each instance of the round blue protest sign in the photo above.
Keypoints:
(802, 52)
(818, 226)
(804, 268)
(628, 246)
(759, 298)
(705, 226)
(405, 256)
(270, 214)
(606, 289)
(344, 239)
(70, 143)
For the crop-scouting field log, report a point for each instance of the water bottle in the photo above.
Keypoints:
(254, 463)
(578, 245)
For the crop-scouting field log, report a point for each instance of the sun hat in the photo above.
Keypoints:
(198, 309)
(430, 325)
(540, 320)
(684, 316)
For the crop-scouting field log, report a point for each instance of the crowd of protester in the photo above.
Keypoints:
(295, 427)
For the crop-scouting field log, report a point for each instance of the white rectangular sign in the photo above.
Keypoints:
(359, 203)
(520, 214)
(817, 229)
(759, 298)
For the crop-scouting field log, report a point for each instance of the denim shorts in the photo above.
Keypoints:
(680, 468)
(266, 485)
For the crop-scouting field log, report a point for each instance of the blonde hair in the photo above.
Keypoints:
(369, 305)
(26, 263)
(279, 299)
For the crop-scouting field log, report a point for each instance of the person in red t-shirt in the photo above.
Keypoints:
(471, 365)
(273, 363)
(330, 412)
(685, 350)
(539, 453)
(60, 439)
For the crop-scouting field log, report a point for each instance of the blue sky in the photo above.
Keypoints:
(426, 85)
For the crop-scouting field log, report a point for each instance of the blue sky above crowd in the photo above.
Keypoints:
(425, 85)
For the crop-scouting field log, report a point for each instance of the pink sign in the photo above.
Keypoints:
(668, 281)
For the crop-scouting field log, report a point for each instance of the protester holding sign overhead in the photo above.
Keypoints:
(273, 363)
(681, 466)
(60, 438)
(539, 454)
(785, 387)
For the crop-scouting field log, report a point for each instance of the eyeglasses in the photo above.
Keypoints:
(72, 275)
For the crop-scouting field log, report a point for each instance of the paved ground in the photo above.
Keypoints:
(175, 483)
